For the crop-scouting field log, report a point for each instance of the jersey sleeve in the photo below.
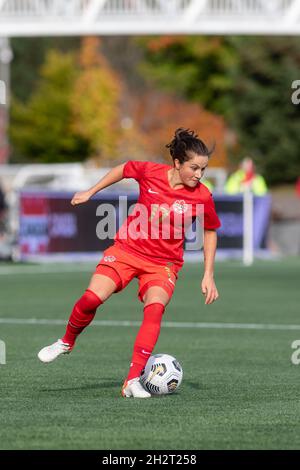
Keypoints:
(134, 169)
(211, 219)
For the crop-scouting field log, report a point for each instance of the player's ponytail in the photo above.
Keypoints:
(184, 141)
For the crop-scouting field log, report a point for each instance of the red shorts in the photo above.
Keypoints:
(122, 267)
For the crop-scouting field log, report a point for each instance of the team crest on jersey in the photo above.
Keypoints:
(180, 207)
(110, 259)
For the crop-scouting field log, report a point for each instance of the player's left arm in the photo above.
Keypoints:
(208, 285)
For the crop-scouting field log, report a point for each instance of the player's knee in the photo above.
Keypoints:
(103, 294)
(159, 298)
(155, 300)
(89, 301)
(103, 285)
(156, 294)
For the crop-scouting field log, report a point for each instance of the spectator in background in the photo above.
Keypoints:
(244, 176)
(208, 184)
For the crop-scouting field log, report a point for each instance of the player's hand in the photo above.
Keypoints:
(80, 197)
(209, 289)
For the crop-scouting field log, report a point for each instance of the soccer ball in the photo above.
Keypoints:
(162, 374)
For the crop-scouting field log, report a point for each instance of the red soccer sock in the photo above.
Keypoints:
(146, 338)
(82, 314)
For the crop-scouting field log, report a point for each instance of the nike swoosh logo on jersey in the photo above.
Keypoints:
(152, 192)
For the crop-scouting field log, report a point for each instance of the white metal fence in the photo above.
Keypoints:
(57, 17)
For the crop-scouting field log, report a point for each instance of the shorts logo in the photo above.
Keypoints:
(110, 259)
(180, 207)
(169, 273)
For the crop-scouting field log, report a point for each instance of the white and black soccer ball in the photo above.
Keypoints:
(162, 374)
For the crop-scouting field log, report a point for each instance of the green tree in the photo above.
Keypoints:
(41, 130)
(262, 113)
(194, 67)
(247, 80)
(28, 57)
(96, 100)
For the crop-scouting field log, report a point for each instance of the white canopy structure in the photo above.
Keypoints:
(132, 17)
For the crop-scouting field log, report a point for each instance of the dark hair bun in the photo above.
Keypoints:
(185, 134)
(187, 140)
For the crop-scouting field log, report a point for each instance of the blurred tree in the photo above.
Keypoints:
(107, 118)
(159, 114)
(28, 56)
(245, 79)
(124, 54)
(73, 113)
(41, 130)
(194, 67)
(95, 101)
(262, 113)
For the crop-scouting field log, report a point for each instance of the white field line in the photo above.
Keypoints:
(166, 324)
(6, 271)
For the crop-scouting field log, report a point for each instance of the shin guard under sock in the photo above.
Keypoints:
(82, 314)
(146, 338)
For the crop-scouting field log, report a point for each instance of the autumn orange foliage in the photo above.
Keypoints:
(122, 125)
(161, 42)
(96, 101)
(157, 115)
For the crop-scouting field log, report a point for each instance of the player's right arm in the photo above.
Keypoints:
(113, 176)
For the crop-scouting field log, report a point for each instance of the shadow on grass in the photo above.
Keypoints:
(112, 384)
(194, 385)
(94, 386)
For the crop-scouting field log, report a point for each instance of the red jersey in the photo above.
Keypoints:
(155, 230)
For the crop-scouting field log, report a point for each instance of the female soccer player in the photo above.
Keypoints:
(149, 246)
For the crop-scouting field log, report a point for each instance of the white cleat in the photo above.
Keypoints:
(133, 388)
(50, 353)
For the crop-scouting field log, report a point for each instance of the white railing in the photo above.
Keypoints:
(76, 17)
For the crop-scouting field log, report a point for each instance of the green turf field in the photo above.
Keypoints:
(240, 389)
